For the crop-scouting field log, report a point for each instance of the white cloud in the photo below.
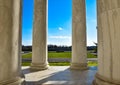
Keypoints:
(60, 28)
(27, 42)
(60, 37)
(90, 41)
(67, 40)
(60, 40)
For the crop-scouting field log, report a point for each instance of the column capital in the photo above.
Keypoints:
(79, 66)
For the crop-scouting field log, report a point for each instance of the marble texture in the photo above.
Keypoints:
(108, 42)
(39, 52)
(59, 75)
(79, 51)
(10, 35)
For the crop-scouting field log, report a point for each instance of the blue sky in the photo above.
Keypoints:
(59, 22)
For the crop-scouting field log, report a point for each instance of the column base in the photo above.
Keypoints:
(16, 81)
(39, 66)
(79, 66)
(100, 80)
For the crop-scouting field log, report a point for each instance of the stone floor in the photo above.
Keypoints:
(59, 75)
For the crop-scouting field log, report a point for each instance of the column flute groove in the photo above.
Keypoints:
(39, 47)
(10, 42)
(108, 17)
(79, 51)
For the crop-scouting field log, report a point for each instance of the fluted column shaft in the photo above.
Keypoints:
(108, 43)
(79, 51)
(10, 35)
(39, 52)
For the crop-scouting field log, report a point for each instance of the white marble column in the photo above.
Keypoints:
(10, 33)
(39, 52)
(79, 51)
(108, 43)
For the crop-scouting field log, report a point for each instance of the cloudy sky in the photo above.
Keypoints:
(59, 22)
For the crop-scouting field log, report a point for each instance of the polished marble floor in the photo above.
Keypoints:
(59, 75)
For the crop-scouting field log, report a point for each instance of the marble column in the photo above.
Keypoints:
(79, 51)
(108, 43)
(39, 52)
(10, 35)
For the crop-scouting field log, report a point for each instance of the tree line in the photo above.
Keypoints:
(57, 48)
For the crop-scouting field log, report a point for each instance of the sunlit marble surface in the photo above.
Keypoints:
(59, 75)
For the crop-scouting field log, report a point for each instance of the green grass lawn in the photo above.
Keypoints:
(58, 55)
(90, 63)
(28, 55)
(26, 63)
(89, 55)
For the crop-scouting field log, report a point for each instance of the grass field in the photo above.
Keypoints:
(90, 63)
(59, 55)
